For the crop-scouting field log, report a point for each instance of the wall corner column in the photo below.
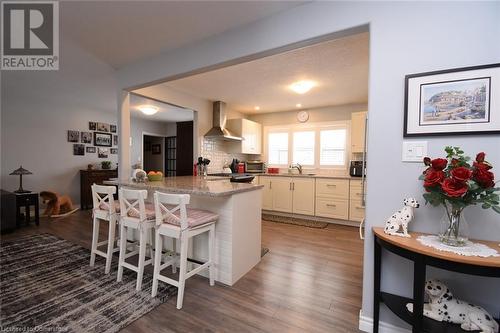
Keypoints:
(124, 167)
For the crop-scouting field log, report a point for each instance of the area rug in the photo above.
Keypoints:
(47, 285)
(294, 221)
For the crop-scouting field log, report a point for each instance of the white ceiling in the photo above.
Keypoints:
(121, 32)
(166, 112)
(340, 68)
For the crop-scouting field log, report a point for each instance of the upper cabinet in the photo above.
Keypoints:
(250, 131)
(358, 124)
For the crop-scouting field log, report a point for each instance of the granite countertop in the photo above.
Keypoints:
(306, 175)
(211, 186)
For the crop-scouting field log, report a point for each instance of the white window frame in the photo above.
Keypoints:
(316, 127)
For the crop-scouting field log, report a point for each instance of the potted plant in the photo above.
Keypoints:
(455, 184)
(106, 165)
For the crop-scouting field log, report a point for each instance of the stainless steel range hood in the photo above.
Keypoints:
(219, 130)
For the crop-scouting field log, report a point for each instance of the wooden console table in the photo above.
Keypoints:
(89, 177)
(423, 256)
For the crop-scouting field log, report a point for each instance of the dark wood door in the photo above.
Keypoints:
(184, 148)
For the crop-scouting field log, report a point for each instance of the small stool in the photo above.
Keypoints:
(174, 220)
(137, 215)
(105, 208)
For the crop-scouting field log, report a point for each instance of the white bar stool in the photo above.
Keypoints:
(174, 220)
(105, 208)
(136, 215)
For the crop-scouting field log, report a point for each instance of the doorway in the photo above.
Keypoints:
(154, 153)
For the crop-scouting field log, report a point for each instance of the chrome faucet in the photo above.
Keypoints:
(296, 166)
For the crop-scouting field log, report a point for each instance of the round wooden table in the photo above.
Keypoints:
(423, 256)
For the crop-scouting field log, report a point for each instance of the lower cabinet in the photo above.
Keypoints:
(288, 194)
(303, 195)
(333, 198)
(332, 208)
(282, 194)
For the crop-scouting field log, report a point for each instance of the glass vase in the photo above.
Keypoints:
(454, 227)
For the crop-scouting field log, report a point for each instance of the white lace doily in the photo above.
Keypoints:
(470, 249)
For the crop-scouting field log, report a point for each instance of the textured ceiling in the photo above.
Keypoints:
(166, 112)
(121, 32)
(340, 68)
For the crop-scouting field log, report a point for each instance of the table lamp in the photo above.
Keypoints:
(21, 171)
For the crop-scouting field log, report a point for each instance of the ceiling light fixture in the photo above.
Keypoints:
(257, 108)
(298, 105)
(301, 87)
(148, 110)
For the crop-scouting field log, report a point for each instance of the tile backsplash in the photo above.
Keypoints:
(217, 151)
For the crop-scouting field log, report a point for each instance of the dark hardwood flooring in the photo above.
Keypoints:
(310, 281)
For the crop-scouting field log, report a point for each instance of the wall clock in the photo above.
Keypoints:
(302, 116)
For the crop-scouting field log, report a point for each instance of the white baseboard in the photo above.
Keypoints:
(366, 325)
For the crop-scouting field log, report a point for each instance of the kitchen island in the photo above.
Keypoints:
(238, 230)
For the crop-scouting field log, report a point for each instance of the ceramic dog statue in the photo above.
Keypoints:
(56, 204)
(443, 306)
(401, 219)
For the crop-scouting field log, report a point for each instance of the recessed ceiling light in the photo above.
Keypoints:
(301, 87)
(148, 110)
(257, 108)
(298, 105)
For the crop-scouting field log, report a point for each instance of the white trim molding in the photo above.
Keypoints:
(366, 325)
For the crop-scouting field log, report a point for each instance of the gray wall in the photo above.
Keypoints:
(38, 107)
(329, 113)
(405, 37)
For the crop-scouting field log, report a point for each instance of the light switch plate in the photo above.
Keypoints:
(414, 151)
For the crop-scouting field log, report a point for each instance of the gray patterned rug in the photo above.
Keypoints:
(47, 285)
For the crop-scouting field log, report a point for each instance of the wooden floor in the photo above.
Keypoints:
(310, 281)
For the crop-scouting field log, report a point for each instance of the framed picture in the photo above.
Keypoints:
(103, 139)
(73, 136)
(453, 102)
(78, 149)
(103, 127)
(113, 151)
(102, 152)
(86, 137)
(115, 140)
(112, 128)
(90, 150)
(92, 126)
(156, 149)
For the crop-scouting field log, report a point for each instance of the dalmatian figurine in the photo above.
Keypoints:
(443, 306)
(401, 218)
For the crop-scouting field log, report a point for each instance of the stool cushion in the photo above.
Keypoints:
(195, 217)
(150, 212)
(105, 206)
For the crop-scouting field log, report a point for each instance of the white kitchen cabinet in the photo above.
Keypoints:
(267, 192)
(332, 208)
(356, 208)
(250, 131)
(303, 195)
(282, 194)
(358, 123)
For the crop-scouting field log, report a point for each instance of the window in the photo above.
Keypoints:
(313, 145)
(278, 148)
(303, 147)
(332, 147)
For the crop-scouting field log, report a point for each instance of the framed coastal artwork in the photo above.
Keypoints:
(456, 101)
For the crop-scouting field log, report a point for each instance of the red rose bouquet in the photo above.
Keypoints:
(455, 183)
